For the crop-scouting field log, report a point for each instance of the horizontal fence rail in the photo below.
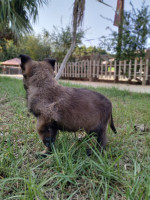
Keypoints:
(107, 70)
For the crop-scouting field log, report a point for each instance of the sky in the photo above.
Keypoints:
(59, 12)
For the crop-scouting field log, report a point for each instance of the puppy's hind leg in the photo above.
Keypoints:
(102, 137)
(88, 149)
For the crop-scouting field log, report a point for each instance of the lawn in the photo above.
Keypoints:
(122, 172)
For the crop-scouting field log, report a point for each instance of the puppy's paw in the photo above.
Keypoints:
(42, 154)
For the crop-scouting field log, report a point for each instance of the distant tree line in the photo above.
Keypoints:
(48, 44)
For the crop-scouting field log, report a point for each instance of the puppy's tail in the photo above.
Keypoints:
(112, 125)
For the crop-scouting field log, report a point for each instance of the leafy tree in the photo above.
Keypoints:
(38, 47)
(136, 31)
(61, 39)
(15, 19)
(87, 51)
(80, 51)
(11, 50)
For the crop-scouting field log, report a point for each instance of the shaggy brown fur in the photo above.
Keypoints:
(61, 108)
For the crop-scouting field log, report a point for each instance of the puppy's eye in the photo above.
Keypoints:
(25, 76)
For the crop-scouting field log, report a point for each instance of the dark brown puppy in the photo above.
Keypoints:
(61, 108)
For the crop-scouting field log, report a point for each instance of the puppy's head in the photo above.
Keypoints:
(31, 68)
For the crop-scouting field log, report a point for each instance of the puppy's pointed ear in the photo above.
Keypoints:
(51, 61)
(24, 60)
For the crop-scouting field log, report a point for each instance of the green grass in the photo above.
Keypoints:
(123, 172)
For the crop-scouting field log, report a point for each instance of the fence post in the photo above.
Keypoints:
(84, 68)
(115, 69)
(88, 69)
(94, 63)
(101, 69)
(75, 69)
(119, 73)
(71, 69)
(78, 72)
(135, 68)
(90, 75)
(110, 67)
(141, 63)
(98, 62)
(129, 74)
(148, 74)
(124, 69)
(145, 76)
(106, 69)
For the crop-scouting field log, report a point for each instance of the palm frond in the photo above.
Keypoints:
(17, 14)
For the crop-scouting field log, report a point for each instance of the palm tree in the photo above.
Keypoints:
(78, 14)
(15, 16)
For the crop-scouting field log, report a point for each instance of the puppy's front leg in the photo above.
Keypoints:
(47, 134)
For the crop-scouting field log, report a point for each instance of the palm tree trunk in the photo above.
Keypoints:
(65, 60)
(78, 13)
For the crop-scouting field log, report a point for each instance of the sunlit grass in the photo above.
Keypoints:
(122, 172)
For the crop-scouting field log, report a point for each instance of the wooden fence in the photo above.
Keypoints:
(107, 70)
(10, 70)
